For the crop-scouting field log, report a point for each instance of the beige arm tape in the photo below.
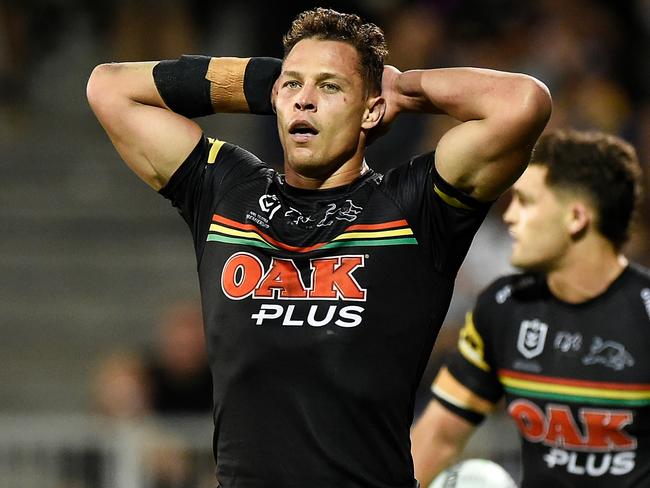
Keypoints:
(226, 76)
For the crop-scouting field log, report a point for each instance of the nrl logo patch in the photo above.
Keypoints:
(532, 334)
(269, 204)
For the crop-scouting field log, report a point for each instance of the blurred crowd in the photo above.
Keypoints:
(172, 380)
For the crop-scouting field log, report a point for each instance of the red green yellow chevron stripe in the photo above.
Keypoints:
(572, 390)
(396, 232)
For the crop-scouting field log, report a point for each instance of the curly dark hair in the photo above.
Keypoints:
(603, 166)
(330, 25)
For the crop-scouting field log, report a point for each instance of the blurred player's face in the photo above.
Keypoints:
(537, 220)
(322, 106)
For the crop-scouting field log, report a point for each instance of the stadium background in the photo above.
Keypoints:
(93, 263)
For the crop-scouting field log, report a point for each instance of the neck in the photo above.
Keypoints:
(330, 175)
(586, 271)
(344, 175)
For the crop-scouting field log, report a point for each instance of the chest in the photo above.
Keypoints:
(607, 342)
(337, 271)
(577, 378)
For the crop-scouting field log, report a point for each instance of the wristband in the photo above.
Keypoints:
(183, 86)
(259, 78)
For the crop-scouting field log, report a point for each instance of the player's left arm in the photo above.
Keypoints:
(501, 114)
(437, 439)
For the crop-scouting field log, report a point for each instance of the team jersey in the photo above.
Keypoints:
(575, 377)
(320, 309)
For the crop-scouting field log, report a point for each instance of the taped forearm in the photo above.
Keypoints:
(195, 86)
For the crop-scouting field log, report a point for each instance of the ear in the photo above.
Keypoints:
(374, 112)
(579, 218)
(274, 93)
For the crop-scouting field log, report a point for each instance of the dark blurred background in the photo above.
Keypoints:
(97, 272)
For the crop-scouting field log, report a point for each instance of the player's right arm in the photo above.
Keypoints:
(151, 139)
(146, 107)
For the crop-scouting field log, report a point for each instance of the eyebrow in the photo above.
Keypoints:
(520, 194)
(320, 77)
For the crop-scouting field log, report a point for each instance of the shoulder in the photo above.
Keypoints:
(640, 273)
(419, 175)
(222, 151)
(229, 164)
(418, 167)
(637, 286)
(514, 288)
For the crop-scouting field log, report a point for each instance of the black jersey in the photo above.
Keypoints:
(576, 378)
(321, 309)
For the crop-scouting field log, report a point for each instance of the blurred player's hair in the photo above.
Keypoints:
(603, 167)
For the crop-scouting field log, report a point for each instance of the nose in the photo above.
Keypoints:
(305, 100)
(509, 216)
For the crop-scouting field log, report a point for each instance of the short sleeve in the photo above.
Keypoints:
(211, 169)
(443, 218)
(468, 384)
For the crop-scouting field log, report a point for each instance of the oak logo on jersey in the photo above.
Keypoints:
(532, 335)
(331, 278)
(602, 429)
(593, 444)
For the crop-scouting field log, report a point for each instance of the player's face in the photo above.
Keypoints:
(320, 100)
(536, 219)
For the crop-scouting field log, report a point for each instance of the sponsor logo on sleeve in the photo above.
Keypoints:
(503, 294)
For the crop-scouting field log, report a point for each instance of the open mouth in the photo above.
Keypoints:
(302, 128)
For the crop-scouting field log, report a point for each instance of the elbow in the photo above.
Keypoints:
(98, 88)
(534, 105)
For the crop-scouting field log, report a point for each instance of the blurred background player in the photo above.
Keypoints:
(566, 341)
